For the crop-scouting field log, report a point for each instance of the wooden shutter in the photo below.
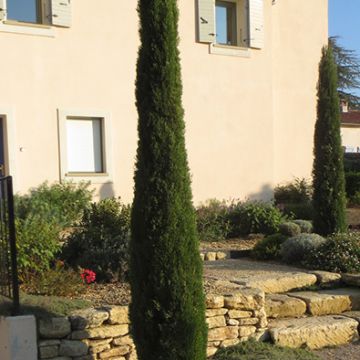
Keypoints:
(2, 9)
(61, 12)
(206, 21)
(256, 26)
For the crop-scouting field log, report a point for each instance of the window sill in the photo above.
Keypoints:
(94, 178)
(17, 27)
(229, 50)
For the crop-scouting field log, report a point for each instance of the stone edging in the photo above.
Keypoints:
(103, 333)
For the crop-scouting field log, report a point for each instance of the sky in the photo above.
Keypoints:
(344, 21)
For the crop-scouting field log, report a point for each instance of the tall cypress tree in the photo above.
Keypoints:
(328, 168)
(168, 309)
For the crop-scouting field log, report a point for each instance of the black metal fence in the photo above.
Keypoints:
(9, 285)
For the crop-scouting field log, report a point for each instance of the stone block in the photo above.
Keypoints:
(88, 318)
(118, 314)
(281, 306)
(214, 301)
(223, 333)
(73, 348)
(54, 328)
(109, 331)
(216, 321)
(314, 332)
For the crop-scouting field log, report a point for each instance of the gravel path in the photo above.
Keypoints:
(347, 352)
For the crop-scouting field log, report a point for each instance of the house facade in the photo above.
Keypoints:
(250, 69)
(350, 129)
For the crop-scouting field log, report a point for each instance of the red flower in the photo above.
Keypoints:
(88, 276)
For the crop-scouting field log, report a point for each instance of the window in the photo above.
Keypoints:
(24, 10)
(226, 23)
(85, 145)
(45, 12)
(231, 23)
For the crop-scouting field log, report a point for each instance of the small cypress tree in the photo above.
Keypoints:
(328, 168)
(167, 311)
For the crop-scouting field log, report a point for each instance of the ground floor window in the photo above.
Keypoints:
(85, 145)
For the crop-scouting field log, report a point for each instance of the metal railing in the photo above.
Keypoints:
(9, 284)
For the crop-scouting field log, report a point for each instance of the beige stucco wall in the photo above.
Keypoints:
(350, 137)
(249, 120)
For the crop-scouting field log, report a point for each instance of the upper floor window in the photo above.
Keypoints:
(47, 12)
(226, 23)
(235, 23)
(24, 10)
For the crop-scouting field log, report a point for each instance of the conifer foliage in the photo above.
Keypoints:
(328, 168)
(168, 308)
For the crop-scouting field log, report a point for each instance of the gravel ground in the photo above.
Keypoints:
(347, 352)
(230, 244)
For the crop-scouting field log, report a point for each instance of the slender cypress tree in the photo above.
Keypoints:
(168, 308)
(328, 168)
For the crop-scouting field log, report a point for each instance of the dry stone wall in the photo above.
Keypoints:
(95, 334)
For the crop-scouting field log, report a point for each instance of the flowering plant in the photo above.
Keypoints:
(88, 276)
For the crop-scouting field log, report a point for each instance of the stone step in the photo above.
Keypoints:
(279, 282)
(284, 306)
(314, 332)
(327, 302)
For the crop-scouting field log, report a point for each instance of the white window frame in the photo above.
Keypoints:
(94, 178)
(11, 150)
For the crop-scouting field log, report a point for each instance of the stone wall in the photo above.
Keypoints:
(104, 333)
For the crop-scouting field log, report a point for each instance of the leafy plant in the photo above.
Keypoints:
(253, 217)
(252, 350)
(289, 228)
(269, 247)
(328, 169)
(101, 241)
(56, 281)
(59, 203)
(298, 211)
(297, 248)
(340, 253)
(212, 221)
(37, 245)
(296, 191)
(305, 225)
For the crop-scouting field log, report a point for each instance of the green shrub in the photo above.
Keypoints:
(305, 226)
(212, 222)
(269, 247)
(297, 248)
(340, 253)
(252, 350)
(355, 199)
(352, 183)
(289, 228)
(297, 191)
(298, 211)
(37, 245)
(62, 203)
(352, 162)
(253, 217)
(101, 241)
(56, 281)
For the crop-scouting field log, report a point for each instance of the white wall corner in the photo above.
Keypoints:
(18, 338)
